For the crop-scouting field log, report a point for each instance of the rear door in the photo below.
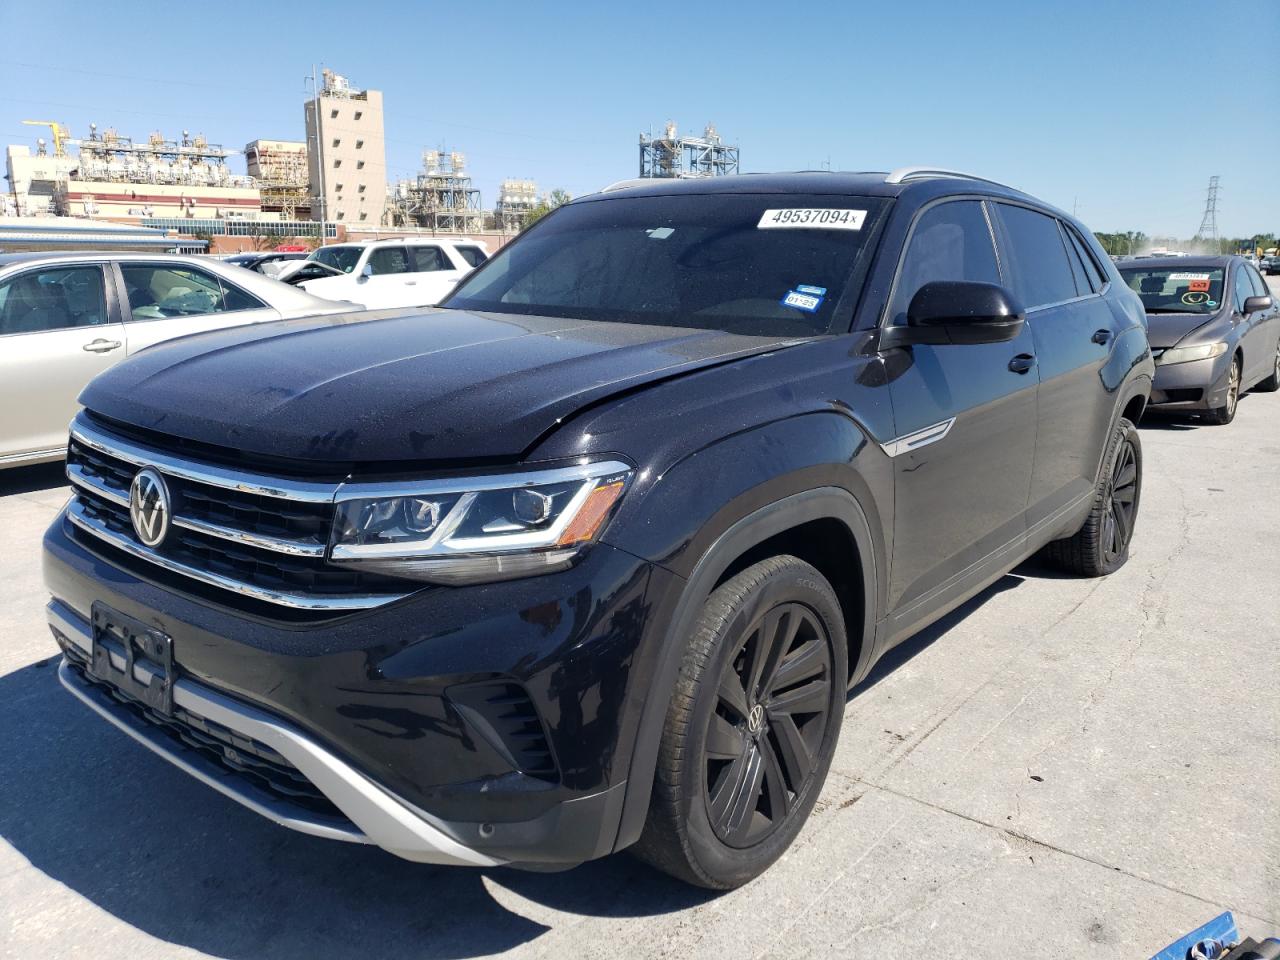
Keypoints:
(438, 272)
(167, 300)
(965, 421)
(59, 328)
(392, 282)
(1074, 331)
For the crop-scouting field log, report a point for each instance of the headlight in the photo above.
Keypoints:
(476, 530)
(1201, 351)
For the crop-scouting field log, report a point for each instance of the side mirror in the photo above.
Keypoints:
(1254, 304)
(367, 272)
(958, 311)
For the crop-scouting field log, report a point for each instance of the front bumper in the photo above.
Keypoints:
(373, 710)
(1197, 385)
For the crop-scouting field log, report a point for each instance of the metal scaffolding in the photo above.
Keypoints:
(440, 198)
(516, 200)
(191, 161)
(672, 155)
(279, 170)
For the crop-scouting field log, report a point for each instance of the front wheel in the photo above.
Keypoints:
(1101, 546)
(1227, 412)
(752, 726)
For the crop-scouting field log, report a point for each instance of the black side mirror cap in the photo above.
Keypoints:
(1254, 304)
(958, 311)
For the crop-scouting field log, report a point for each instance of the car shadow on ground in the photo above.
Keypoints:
(97, 813)
(137, 838)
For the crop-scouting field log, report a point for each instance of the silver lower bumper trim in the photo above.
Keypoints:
(376, 816)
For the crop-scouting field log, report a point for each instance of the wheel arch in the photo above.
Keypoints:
(800, 522)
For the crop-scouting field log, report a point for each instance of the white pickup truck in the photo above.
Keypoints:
(404, 272)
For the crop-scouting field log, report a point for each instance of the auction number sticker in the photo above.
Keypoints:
(1188, 276)
(812, 218)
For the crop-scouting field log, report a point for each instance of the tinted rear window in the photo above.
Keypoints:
(1041, 271)
(760, 265)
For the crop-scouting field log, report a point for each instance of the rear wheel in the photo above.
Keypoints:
(751, 728)
(1101, 546)
(1227, 412)
(1272, 383)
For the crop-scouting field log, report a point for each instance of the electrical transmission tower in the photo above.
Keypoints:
(1209, 224)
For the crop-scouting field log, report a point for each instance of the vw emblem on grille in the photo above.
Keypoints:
(149, 506)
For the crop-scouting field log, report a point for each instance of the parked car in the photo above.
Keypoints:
(1214, 330)
(407, 272)
(588, 558)
(1270, 265)
(269, 263)
(65, 317)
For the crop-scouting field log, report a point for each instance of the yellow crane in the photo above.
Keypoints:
(61, 135)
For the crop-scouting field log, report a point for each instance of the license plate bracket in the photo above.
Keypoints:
(135, 658)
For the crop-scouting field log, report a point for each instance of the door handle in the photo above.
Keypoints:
(1101, 336)
(1022, 363)
(101, 346)
(411, 283)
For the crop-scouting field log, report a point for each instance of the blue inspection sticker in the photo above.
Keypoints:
(805, 297)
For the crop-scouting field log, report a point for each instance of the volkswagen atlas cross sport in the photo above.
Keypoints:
(1214, 330)
(587, 558)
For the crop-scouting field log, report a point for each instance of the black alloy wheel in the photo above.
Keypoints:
(1121, 504)
(751, 726)
(771, 711)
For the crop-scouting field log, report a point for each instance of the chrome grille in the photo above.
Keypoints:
(252, 535)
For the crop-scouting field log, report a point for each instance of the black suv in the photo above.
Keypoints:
(588, 557)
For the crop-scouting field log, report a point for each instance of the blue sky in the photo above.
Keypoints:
(1121, 110)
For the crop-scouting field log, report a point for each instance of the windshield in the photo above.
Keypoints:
(340, 258)
(758, 265)
(1176, 289)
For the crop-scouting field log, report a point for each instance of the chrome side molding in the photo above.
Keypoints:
(918, 439)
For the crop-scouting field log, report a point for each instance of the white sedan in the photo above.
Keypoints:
(66, 317)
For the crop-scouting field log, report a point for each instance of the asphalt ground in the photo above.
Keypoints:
(1062, 767)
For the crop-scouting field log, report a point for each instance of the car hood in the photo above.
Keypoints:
(398, 385)
(1166, 329)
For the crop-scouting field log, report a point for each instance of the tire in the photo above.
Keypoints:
(1272, 383)
(1101, 545)
(1227, 412)
(733, 758)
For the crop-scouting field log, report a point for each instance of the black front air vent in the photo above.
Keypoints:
(504, 715)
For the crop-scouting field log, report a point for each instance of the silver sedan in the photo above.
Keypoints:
(66, 317)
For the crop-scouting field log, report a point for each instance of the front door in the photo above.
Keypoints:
(55, 336)
(965, 422)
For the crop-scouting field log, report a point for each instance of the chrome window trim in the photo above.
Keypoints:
(919, 438)
(78, 518)
(226, 478)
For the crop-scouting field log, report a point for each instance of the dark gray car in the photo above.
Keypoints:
(1214, 329)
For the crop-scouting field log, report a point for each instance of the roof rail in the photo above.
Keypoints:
(624, 184)
(903, 174)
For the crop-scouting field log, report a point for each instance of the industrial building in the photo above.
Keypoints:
(672, 155)
(346, 152)
(441, 197)
(279, 170)
(516, 199)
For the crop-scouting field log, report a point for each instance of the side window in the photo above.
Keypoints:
(1077, 265)
(157, 291)
(1244, 286)
(951, 241)
(1041, 271)
(430, 259)
(55, 299)
(473, 255)
(233, 298)
(1092, 271)
(1259, 285)
(389, 260)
